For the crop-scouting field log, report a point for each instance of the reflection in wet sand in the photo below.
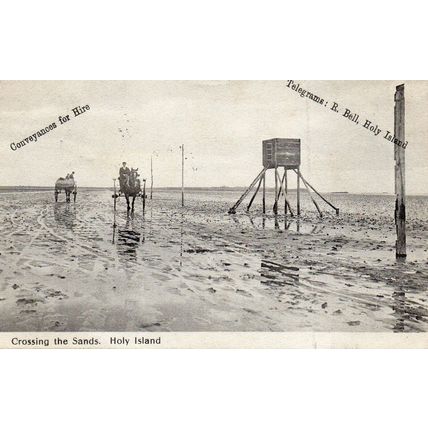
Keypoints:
(128, 240)
(407, 312)
(276, 222)
(275, 274)
(65, 215)
(399, 309)
(181, 240)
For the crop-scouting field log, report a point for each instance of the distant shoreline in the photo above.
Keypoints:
(17, 189)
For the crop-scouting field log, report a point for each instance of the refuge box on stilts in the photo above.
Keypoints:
(281, 153)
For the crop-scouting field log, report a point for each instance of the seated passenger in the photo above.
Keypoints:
(123, 175)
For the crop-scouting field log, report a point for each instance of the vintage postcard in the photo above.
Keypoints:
(213, 214)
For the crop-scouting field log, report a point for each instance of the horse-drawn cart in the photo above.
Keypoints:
(131, 189)
(66, 185)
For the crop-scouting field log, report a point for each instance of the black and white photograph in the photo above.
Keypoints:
(213, 206)
(213, 214)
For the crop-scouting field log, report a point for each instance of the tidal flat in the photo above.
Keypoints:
(66, 267)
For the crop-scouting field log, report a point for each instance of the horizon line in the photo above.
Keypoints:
(13, 187)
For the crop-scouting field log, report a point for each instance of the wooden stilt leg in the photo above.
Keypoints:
(255, 193)
(298, 190)
(321, 196)
(264, 193)
(233, 209)
(286, 198)
(280, 181)
(275, 207)
(285, 190)
(310, 195)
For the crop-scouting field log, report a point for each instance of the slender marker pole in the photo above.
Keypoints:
(114, 196)
(400, 184)
(144, 195)
(182, 175)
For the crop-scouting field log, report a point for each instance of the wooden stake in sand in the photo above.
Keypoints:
(400, 184)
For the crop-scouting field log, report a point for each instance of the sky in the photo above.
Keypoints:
(222, 125)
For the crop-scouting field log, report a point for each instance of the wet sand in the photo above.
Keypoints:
(64, 267)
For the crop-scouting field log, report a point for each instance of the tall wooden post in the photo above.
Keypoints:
(400, 184)
(298, 190)
(151, 177)
(182, 175)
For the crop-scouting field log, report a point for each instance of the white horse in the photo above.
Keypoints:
(68, 185)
